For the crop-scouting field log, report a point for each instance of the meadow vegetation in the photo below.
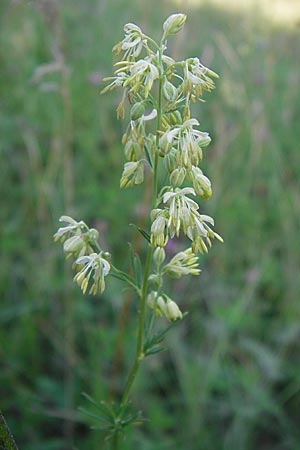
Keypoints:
(230, 379)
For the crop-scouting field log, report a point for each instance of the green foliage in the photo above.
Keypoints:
(233, 381)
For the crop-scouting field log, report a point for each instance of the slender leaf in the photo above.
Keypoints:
(143, 232)
(148, 156)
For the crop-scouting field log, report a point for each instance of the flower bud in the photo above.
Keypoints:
(176, 118)
(164, 144)
(132, 150)
(137, 111)
(93, 234)
(154, 302)
(155, 280)
(74, 244)
(177, 177)
(170, 162)
(133, 173)
(204, 140)
(172, 312)
(159, 256)
(201, 183)
(169, 91)
(151, 299)
(173, 24)
(170, 309)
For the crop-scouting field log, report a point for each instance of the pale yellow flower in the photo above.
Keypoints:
(94, 266)
(183, 263)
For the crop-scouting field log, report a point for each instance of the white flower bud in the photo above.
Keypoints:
(151, 299)
(74, 244)
(93, 234)
(175, 118)
(132, 150)
(159, 238)
(155, 302)
(170, 162)
(133, 173)
(170, 310)
(173, 24)
(177, 177)
(201, 183)
(165, 144)
(155, 280)
(204, 139)
(169, 91)
(159, 256)
(137, 111)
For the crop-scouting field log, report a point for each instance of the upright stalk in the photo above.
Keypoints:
(141, 323)
(180, 145)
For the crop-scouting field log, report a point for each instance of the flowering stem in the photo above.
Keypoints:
(142, 311)
(139, 346)
(158, 124)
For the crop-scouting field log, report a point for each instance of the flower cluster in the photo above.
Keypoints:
(197, 79)
(133, 42)
(79, 241)
(92, 264)
(163, 305)
(163, 140)
(183, 263)
(161, 134)
(180, 142)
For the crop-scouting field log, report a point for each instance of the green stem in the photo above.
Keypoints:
(139, 346)
(139, 355)
(115, 441)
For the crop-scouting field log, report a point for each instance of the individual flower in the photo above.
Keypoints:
(201, 183)
(201, 234)
(133, 173)
(154, 301)
(135, 136)
(171, 310)
(137, 110)
(170, 161)
(182, 210)
(187, 142)
(117, 81)
(177, 177)
(94, 266)
(163, 305)
(183, 263)
(77, 238)
(197, 79)
(142, 74)
(159, 256)
(69, 230)
(74, 245)
(169, 91)
(159, 228)
(133, 42)
(81, 243)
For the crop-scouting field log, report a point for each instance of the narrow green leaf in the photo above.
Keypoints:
(94, 416)
(143, 232)
(155, 349)
(101, 406)
(138, 271)
(148, 156)
(125, 277)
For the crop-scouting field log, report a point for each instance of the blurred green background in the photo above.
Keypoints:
(231, 377)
